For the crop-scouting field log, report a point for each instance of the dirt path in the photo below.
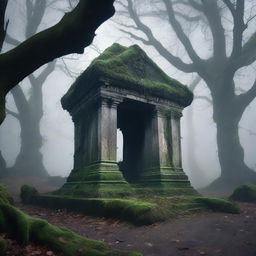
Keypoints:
(200, 234)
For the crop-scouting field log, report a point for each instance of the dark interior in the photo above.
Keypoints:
(132, 119)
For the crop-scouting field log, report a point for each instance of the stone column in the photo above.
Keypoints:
(96, 173)
(163, 172)
(176, 139)
(163, 136)
(107, 129)
(157, 146)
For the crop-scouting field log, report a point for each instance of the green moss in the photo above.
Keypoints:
(244, 193)
(27, 193)
(103, 189)
(128, 68)
(143, 210)
(3, 246)
(25, 229)
(5, 197)
(219, 205)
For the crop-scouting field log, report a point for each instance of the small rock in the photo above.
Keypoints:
(148, 244)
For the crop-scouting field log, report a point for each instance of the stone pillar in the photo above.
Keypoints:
(157, 146)
(107, 129)
(162, 165)
(176, 139)
(163, 136)
(96, 173)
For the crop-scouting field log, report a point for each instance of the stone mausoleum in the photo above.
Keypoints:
(123, 88)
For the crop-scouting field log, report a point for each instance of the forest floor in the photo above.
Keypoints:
(214, 234)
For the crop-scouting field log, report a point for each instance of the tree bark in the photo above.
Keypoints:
(75, 31)
(234, 171)
(227, 113)
(29, 160)
(197, 174)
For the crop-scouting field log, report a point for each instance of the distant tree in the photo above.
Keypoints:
(230, 52)
(75, 31)
(3, 27)
(30, 110)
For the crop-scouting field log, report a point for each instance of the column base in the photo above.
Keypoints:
(100, 179)
(165, 181)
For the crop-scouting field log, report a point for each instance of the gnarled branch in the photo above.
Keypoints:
(177, 62)
(75, 31)
(182, 36)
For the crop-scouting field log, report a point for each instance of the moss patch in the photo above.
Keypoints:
(3, 246)
(5, 197)
(128, 68)
(24, 229)
(27, 193)
(244, 193)
(132, 210)
(218, 205)
(142, 210)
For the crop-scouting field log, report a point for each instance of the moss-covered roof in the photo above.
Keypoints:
(129, 68)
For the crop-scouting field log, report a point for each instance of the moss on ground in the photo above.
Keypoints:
(244, 193)
(27, 193)
(218, 204)
(141, 210)
(3, 247)
(5, 197)
(24, 229)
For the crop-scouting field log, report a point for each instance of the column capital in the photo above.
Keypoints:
(176, 114)
(161, 111)
(112, 102)
(115, 101)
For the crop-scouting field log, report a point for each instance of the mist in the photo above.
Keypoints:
(56, 125)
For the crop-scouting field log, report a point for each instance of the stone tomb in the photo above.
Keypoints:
(124, 89)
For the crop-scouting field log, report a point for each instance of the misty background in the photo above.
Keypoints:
(56, 125)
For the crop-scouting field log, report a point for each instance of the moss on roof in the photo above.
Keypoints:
(128, 68)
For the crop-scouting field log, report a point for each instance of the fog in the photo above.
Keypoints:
(56, 125)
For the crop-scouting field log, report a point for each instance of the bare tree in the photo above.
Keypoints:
(230, 52)
(72, 34)
(30, 111)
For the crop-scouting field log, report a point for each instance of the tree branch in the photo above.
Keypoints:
(10, 40)
(203, 98)
(238, 28)
(75, 31)
(194, 83)
(248, 53)
(196, 5)
(177, 62)
(212, 13)
(230, 6)
(182, 36)
(46, 72)
(20, 100)
(35, 13)
(138, 38)
(12, 113)
(244, 99)
(3, 25)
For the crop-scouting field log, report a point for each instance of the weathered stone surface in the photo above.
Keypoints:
(124, 89)
(131, 69)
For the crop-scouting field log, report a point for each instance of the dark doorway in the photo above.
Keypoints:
(132, 119)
